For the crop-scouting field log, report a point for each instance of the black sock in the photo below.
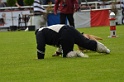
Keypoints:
(40, 56)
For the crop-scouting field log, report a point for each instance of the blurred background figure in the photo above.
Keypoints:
(2, 4)
(3, 19)
(122, 4)
(39, 14)
(19, 3)
(39, 18)
(104, 3)
(45, 2)
(67, 9)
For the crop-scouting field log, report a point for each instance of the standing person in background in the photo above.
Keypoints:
(2, 4)
(122, 7)
(19, 3)
(79, 1)
(67, 9)
(122, 4)
(39, 14)
(39, 18)
(42, 2)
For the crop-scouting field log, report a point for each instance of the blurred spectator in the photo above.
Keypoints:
(67, 9)
(122, 4)
(45, 2)
(3, 19)
(2, 4)
(114, 8)
(39, 18)
(79, 1)
(19, 3)
(104, 3)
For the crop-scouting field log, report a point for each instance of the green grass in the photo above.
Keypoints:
(18, 61)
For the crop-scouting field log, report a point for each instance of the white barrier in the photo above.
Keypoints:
(7, 16)
(84, 14)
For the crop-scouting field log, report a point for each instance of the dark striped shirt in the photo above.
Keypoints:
(38, 8)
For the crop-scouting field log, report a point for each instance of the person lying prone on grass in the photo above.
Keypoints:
(65, 36)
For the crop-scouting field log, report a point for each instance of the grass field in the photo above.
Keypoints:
(18, 61)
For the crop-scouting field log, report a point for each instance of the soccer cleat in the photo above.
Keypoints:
(80, 54)
(77, 54)
(101, 48)
(71, 54)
